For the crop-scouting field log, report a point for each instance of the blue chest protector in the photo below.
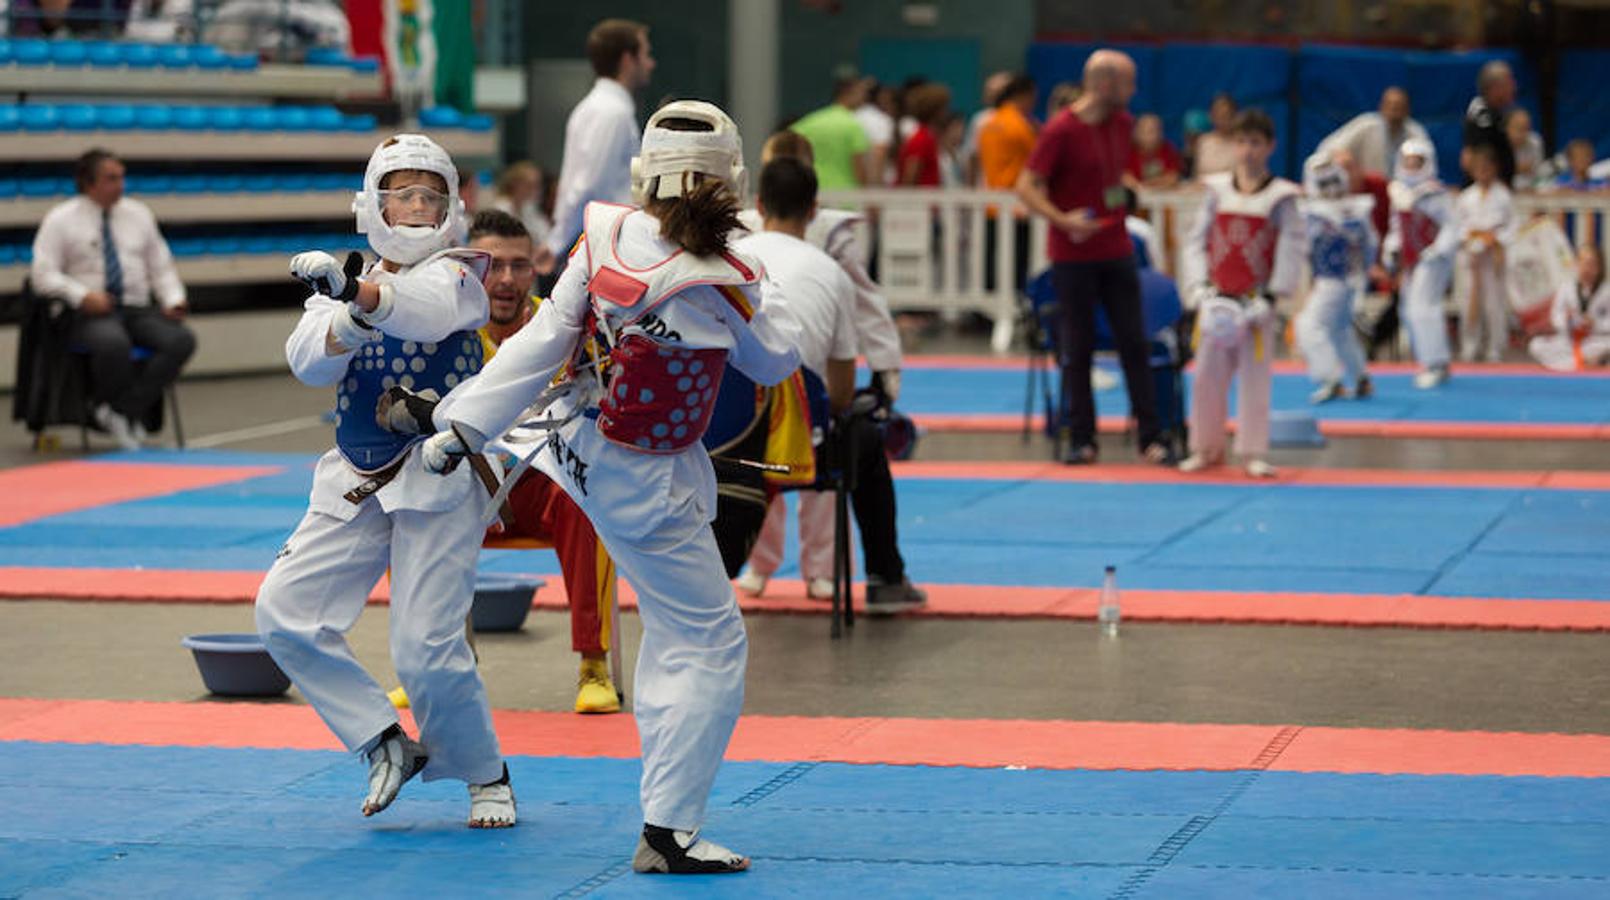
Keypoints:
(379, 365)
(1334, 247)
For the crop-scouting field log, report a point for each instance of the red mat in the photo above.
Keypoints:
(944, 601)
(994, 423)
(1148, 474)
(33, 492)
(938, 742)
(1281, 366)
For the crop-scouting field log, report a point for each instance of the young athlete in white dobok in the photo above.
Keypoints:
(1341, 248)
(1243, 254)
(672, 304)
(409, 322)
(1581, 318)
(1420, 245)
(1486, 215)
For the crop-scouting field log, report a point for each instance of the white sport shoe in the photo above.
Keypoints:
(819, 589)
(1429, 379)
(1196, 462)
(392, 762)
(1325, 393)
(751, 583)
(683, 853)
(492, 805)
(116, 425)
(1257, 468)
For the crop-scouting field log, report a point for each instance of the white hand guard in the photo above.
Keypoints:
(1258, 311)
(442, 451)
(321, 273)
(349, 332)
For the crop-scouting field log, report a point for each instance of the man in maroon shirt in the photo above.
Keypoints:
(1075, 179)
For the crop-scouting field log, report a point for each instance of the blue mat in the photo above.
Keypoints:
(1481, 542)
(1465, 398)
(81, 820)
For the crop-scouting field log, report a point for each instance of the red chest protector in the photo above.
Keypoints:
(1418, 230)
(1244, 236)
(660, 393)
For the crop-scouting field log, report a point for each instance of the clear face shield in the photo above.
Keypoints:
(417, 205)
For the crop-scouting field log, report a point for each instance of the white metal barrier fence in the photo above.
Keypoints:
(930, 243)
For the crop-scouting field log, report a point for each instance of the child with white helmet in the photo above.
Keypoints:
(673, 303)
(1341, 247)
(408, 323)
(1419, 249)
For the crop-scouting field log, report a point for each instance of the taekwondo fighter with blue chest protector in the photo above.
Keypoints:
(407, 323)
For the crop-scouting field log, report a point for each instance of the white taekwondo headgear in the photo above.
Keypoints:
(671, 154)
(1322, 177)
(408, 244)
(1428, 168)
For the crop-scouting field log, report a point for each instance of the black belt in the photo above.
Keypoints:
(375, 481)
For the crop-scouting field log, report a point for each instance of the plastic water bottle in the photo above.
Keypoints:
(1107, 612)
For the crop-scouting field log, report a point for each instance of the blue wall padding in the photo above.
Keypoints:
(1583, 105)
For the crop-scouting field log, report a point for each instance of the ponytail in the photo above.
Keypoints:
(700, 220)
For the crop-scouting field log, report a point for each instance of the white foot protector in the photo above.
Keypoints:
(392, 762)
(1196, 462)
(1258, 468)
(751, 583)
(683, 853)
(492, 805)
(819, 589)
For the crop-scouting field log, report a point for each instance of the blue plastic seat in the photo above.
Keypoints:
(243, 62)
(188, 246)
(292, 118)
(77, 116)
(325, 118)
(293, 181)
(153, 117)
(9, 187)
(175, 56)
(189, 184)
(257, 182)
(225, 118)
(258, 118)
(223, 245)
(336, 181)
(7, 51)
(190, 118)
(259, 243)
(440, 117)
(68, 53)
(225, 183)
(8, 254)
(104, 54)
(139, 56)
(364, 64)
(38, 117)
(10, 117)
(477, 122)
(359, 122)
(326, 56)
(156, 184)
(206, 56)
(115, 117)
(36, 187)
(30, 51)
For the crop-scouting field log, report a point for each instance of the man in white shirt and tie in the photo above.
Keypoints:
(102, 254)
(601, 135)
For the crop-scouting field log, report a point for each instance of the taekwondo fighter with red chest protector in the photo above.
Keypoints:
(659, 287)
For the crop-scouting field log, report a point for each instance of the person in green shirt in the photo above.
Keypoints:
(837, 139)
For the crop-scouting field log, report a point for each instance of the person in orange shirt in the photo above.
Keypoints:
(1004, 144)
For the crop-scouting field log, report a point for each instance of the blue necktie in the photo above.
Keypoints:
(114, 269)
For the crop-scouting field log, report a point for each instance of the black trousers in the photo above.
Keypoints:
(1115, 285)
(128, 389)
(1020, 252)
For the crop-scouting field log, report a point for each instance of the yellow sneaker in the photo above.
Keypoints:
(595, 692)
(398, 697)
